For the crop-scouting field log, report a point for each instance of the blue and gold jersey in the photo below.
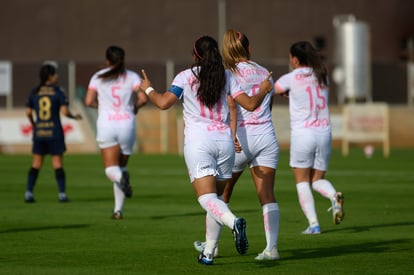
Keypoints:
(46, 103)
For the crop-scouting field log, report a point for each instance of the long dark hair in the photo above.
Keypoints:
(209, 70)
(235, 49)
(307, 55)
(45, 72)
(116, 58)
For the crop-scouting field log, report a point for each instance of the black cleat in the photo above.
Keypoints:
(117, 215)
(124, 184)
(29, 200)
(239, 234)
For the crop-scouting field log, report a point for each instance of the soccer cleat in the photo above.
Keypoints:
(199, 246)
(267, 255)
(124, 184)
(337, 208)
(29, 199)
(239, 234)
(63, 198)
(205, 259)
(312, 230)
(117, 215)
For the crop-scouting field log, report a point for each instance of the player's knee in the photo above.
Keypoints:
(113, 173)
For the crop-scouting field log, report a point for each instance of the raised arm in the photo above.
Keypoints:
(162, 101)
(250, 103)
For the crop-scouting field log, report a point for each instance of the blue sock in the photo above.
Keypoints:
(60, 179)
(31, 179)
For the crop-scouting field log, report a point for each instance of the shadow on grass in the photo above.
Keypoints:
(338, 250)
(200, 213)
(42, 228)
(334, 251)
(367, 228)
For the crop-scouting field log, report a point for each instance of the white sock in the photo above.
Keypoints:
(119, 198)
(271, 215)
(325, 188)
(307, 202)
(217, 209)
(113, 173)
(209, 247)
(213, 228)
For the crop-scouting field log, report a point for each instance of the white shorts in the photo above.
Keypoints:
(108, 137)
(209, 158)
(310, 151)
(258, 150)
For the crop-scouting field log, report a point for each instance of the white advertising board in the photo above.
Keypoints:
(19, 131)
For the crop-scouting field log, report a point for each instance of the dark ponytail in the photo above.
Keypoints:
(45, 72)
(209, 70)
(116, 58)
(307, 55)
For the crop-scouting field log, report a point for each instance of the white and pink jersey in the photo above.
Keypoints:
(308, 101)
(115, 98)
(258, 122)
(200, 121)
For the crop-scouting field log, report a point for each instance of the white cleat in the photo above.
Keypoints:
(199, 246)
(312, 230)
(267, 255)
(337, 208)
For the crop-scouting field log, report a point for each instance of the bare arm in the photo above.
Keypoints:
(233, 123)
(140, 99)
(162, 101)
(250, 103)
(280, 91)
(91, 99)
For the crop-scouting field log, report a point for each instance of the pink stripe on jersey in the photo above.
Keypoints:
(234, 95)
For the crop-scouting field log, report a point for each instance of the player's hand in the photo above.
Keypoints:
(237, 146)
(145, 81)
(266, 85)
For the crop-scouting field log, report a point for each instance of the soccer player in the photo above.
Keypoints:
(47, 101)
(209, 145)
(311, 137)
(114, 91)
(257, 138)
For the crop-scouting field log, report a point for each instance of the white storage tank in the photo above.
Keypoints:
(352, 59)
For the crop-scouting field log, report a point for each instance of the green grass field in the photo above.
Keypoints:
(163, 218)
